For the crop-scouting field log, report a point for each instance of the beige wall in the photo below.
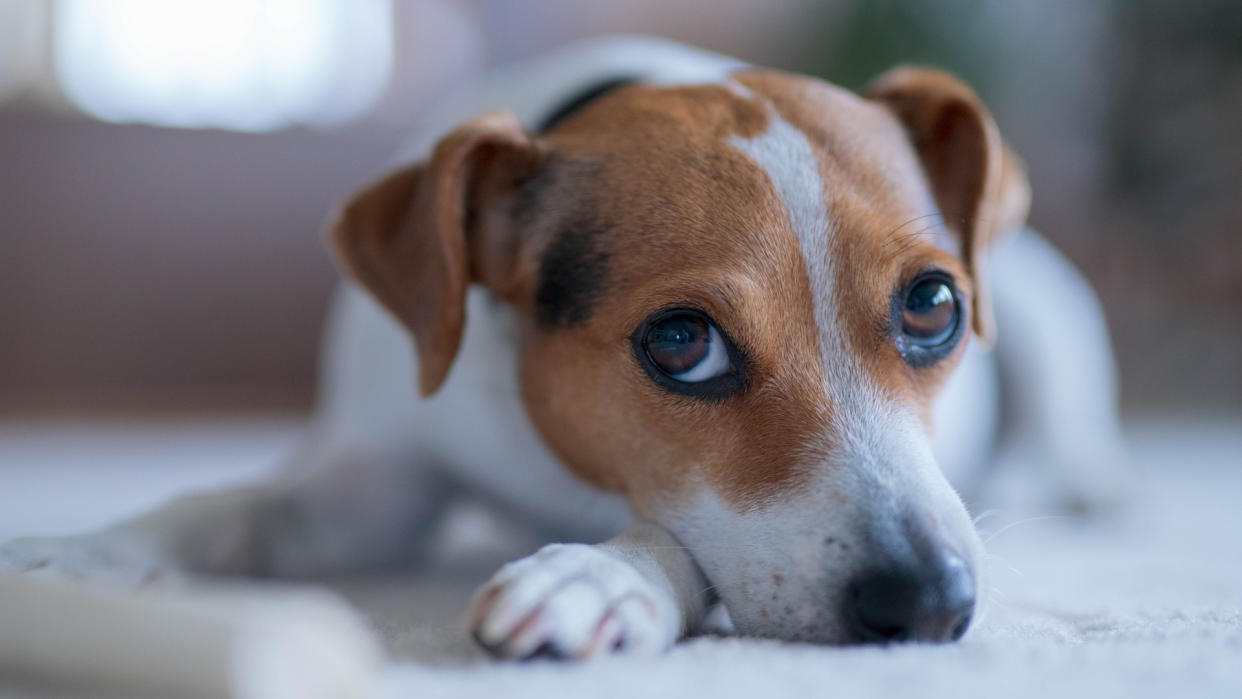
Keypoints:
(145, 267)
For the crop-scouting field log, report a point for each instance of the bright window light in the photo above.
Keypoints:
(247, 65)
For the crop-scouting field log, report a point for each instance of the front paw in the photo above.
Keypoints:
(571, 601)
(86, 558)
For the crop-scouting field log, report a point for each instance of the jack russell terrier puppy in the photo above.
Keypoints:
(726, 305)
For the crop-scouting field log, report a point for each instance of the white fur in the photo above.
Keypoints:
(530, 88)
(475, 424)
(586, 600)
(785, 155)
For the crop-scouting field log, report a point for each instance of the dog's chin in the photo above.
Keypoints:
(824, 621)
(768, 614)
(826, 612)
(827, 632)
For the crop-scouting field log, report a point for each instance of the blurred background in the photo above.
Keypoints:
(165, 167)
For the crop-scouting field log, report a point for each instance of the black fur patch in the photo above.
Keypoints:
(573, 272)
(580, 100)
(528, 205)
(572, 275)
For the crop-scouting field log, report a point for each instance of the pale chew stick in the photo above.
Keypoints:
(237, 641)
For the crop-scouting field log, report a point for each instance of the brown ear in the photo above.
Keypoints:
(979, 184)
(417, 237)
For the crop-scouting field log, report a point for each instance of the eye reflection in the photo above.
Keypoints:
(927, 319)
(930, 314)
(686, 347)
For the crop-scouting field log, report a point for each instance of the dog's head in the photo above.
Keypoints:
(737, 302)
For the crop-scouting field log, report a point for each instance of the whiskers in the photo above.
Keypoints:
(984, 515)
(989, 537)
(994, 599)
(993, 564)
(902, 238)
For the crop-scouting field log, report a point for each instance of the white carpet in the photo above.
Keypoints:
(1146, 606)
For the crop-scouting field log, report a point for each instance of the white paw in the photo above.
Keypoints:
(571, 601)
(84, 559)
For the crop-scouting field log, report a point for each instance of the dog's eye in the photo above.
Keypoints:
(929, 320)
(685, 352)
(930, 314)
(687, 348)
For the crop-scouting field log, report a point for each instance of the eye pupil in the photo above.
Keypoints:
(683, 351)
(930, 315)
(678, 343)
(925, 296)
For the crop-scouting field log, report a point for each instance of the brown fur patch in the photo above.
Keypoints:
(637, 203)
(695, 224)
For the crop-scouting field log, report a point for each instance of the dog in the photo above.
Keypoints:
(716, 308)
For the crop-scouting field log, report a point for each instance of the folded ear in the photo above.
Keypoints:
(417, 237)
(979, 184)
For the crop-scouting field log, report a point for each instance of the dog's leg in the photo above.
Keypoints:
(640, 591)
(1057, 373)
(336, 510)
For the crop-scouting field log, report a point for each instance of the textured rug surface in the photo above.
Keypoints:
(1146, 604)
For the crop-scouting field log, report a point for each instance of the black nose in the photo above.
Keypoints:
(928, 602)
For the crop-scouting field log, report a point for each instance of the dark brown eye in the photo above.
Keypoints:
(686, 347)
(929, 317)
(685, 352)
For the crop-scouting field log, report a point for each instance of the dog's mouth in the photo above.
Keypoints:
(849, 564)
(883, 611)
(932, 600)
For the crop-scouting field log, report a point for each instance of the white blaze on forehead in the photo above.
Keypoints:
(786, 156)
(878, 441)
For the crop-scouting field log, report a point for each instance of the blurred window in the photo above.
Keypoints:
(247, 65)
